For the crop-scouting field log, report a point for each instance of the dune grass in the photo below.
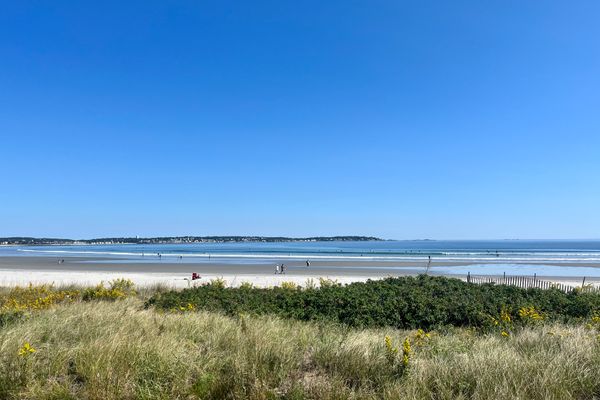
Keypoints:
(120, 350)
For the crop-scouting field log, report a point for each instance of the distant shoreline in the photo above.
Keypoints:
(32, 241)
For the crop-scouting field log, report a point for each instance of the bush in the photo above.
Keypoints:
(406, 302)
(31, 298)
(289, 285)
(117, 289)
(9, 317)
(18, 302)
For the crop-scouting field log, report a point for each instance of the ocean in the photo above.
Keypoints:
(515, 257)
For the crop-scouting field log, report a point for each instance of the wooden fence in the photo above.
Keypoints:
(530, 282)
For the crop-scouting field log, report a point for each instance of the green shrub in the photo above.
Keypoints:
(406, 302)
(218, 283)
(9, 317)
(289, 285)
(246, 285)
(117, 289)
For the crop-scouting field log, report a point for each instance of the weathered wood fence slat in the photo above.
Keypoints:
(528, 282)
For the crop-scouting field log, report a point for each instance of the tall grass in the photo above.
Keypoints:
(119, 350)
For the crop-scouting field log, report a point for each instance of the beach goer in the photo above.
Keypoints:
(276, 268)
(282, 269)
(307, 263)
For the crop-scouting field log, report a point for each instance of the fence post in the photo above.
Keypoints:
(583, 283)
(468, 277)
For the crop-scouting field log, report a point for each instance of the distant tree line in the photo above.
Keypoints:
(180, 239)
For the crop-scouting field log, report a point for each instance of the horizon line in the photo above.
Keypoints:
(137, 237)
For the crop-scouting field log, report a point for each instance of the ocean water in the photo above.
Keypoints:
(508, 252)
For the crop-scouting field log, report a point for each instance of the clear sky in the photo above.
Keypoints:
(400, 119)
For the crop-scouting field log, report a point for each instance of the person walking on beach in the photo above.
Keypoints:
(428, 264)
(276, 268)
(282, 269)
(307, 263)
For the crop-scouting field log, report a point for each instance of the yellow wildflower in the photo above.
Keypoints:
(530, 313)
(389, 347)
(406, 350)
(26, 349)
(421, 337)
(505, 316)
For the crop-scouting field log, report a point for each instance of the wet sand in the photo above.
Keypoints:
(174, 265)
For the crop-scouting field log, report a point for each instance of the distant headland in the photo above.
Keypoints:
(31, 241)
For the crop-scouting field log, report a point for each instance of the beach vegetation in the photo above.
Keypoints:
(26, 350)
(18, 302)
(310, 284)
(121, 350)
(34, 297)
(327, 282)
(217, 283)
(246, 285)
(422, 302)
(289, 285)
(116, 289)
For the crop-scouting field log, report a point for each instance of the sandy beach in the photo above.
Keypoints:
(22, 270)
(92, 270)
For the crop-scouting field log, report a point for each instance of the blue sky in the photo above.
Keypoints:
(399, 119)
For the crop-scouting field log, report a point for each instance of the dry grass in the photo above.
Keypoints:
(118, 350)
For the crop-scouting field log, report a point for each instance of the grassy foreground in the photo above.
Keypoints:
(119, 350)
